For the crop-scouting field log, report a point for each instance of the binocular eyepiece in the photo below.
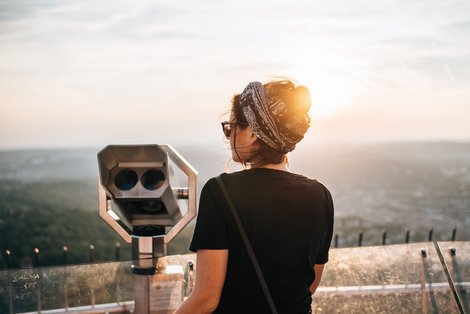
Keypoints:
(151, 179)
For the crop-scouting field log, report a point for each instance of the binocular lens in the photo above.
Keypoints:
(153, 207)
(153, 179)
(125, 179)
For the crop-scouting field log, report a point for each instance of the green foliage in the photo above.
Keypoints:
(49, 229)
(50, 215)
(66, 195)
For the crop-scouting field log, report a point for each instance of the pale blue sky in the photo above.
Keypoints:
(90, 73)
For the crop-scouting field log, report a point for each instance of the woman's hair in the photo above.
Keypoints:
(297, 101)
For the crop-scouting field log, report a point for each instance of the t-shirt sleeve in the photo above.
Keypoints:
(322, 257)
(211, 231)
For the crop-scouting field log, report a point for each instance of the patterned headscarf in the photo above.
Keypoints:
(267, 117)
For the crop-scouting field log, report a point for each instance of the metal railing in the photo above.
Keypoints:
(36, 261)
(423, 277)
(407, 237)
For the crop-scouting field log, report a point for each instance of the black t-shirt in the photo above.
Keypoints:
(289, 221)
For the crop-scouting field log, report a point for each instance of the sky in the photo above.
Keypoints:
(90, 73)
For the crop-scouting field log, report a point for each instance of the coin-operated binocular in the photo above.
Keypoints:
(139, 181)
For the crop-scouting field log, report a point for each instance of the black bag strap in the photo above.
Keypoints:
(248, 246)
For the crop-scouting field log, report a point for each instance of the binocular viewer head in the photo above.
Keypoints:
(140, 181)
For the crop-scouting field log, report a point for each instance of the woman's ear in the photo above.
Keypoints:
(253, 137)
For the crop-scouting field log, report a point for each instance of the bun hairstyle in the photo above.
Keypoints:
(296, 97)
(278, 114)
(295, 118)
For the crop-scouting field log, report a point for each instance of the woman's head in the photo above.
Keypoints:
(276, 116)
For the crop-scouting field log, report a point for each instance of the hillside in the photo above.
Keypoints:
(48, 198)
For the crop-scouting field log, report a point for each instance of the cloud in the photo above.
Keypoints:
(118, 58)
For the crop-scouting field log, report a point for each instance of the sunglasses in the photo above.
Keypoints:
(227, 127)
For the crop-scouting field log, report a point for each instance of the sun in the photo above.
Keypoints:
(330, 78)
(331, 94)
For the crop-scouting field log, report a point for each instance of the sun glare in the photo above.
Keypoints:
(330, 94)
(329, 75)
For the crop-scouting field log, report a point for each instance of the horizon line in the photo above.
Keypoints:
(319, 143)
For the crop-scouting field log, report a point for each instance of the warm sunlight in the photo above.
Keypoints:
(164, 78)
(330, 94)
(332, 90)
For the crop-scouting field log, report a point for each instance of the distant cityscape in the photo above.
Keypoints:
(48, 198)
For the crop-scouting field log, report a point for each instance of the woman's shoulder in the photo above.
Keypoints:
(212, 186)
(271, 175)
(210, 183)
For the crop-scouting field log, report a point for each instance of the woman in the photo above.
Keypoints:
(288, 218)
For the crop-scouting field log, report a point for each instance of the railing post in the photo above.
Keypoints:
(36, 257)
(359, 243)
(38, 288)
(430, 235)
(10, 289)
(91, 253)
(117, 251)
(407, 237)
(450, 280)
(336, 240)
(7, 258)
(64, 254)
(384, 237)
(454, 233)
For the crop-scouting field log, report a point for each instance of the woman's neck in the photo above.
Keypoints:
(281, 166)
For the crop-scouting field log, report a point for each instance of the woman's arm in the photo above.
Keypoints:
(211, 267)
(318, 268)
